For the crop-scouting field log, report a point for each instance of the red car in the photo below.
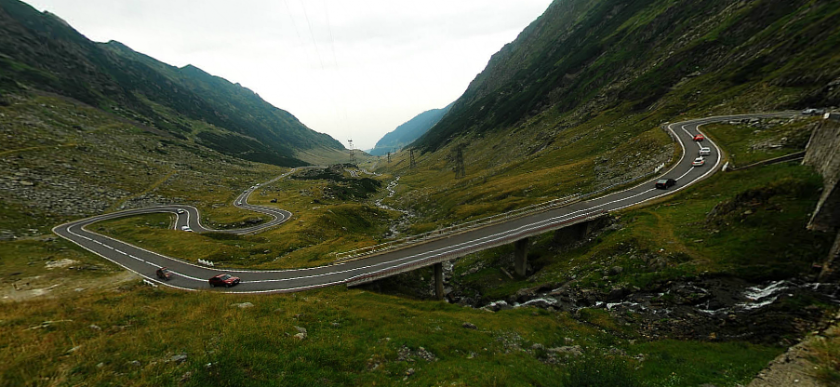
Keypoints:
(699, 137)
(225, 280)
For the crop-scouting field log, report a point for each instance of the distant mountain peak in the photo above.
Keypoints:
(409, 131)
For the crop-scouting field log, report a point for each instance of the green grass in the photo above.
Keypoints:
(758, 234)
(312, 236)
(115, 157)
(746, 145)
(826, 355)
(353, 338)
(676, 362)
(48, 267)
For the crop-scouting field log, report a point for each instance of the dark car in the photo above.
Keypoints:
(163, 273)
(665, 183)
(225, 280)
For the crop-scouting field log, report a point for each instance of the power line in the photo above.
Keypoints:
(335, 57)
(312, 34)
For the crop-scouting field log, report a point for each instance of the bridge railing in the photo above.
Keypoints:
(442, 232)
(446, 231)
(453, 254)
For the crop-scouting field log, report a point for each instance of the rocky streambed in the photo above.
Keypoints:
(404, 221)
(713, 308)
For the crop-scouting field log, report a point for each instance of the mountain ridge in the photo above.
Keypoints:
(409, 131)
(40, 50)
(583, 57)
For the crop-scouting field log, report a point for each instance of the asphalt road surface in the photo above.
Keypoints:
(190, 276)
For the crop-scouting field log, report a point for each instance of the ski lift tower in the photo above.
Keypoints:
(352, 154)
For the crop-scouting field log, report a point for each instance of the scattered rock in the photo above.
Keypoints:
(6, 235)
(59, 263)
(617, 293)
(186, 377)
(180, 358)
(95, 327)
(135, 363)
(407, 355)
(409, 372)
(243, 305)
(469, 325)
(567, 351)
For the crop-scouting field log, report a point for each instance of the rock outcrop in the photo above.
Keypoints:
(823, 154)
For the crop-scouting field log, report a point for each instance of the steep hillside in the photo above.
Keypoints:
(582, 57)
(576, 103)
(43, 52)
(408, 132)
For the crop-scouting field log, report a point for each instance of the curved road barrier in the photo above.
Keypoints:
(190, 276)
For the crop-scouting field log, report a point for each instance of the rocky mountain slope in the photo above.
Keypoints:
(582, 58)
(41, 51)
(408, 132)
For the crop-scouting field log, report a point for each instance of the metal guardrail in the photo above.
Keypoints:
(478, 223)
(775, 160)
(447, 231)
(365, 278)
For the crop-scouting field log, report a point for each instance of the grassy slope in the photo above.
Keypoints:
(506, 172)
(318, 228)
(107, 153)
(42, 52)
(353, 338)
(548, 118)
(677, 237)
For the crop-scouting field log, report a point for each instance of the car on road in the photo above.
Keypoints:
(705, 151)
(813, 112)
(180, 211)
(186, 228)
(163, 273)
(225, 280)
(699, 137)
(698, 162)
(665, 183)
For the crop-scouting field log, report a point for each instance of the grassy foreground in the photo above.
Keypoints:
(135, 336)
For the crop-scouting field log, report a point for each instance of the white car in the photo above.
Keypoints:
(186, 228)
(180, 211)
(705, 151)
(698, 162)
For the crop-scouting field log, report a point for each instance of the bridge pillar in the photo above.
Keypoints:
(572, 234)
(439, 281)
(520, 257)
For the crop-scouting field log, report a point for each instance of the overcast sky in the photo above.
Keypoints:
(355, 69)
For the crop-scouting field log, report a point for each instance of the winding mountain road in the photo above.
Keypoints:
(189, 276)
